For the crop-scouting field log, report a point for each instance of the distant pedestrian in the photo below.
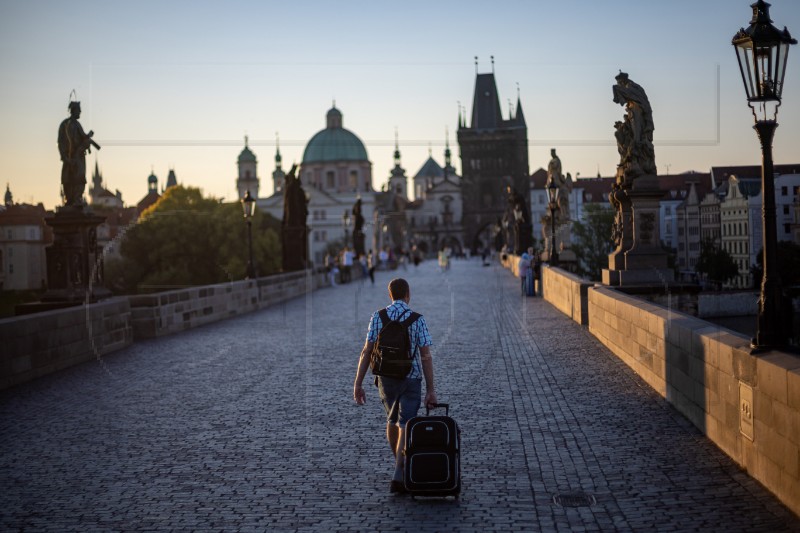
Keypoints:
(523, 267)
(371, 266)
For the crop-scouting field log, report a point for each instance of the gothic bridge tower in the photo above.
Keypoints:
(494, 155)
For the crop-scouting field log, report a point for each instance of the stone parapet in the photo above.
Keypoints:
(567, 292)
(747, 404)
(38, 344)
(165, 313)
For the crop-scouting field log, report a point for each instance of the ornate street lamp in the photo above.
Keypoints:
(249, 208)
(346, 225)
(762, 51)
(552, 193)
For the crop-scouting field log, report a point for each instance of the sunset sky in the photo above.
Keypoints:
(178, 84)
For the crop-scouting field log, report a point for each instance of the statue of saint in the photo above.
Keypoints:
(295, 204)
(635, 134)
(564, 185)
(358, 218)
(73, 143)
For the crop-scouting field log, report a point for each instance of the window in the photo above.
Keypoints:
(354, 180)
(330, 179)
(10, 268)
(787, 228)
(786, 210)
(784, 191)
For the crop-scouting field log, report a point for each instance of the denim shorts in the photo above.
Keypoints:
(401, 398)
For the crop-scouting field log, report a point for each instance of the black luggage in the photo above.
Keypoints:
(432, 455)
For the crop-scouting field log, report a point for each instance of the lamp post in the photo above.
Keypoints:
(552, 193)
(249, 208)
(346, 225)
(762, 50)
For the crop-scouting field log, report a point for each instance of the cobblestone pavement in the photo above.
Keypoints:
(249, 425)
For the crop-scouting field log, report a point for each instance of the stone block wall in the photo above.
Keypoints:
(567, 292)
(747, 404)
(155, 315)
(38, 344)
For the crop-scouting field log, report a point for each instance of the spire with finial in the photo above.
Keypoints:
(492, 58)
(245, 141)
(476, 64)
(460, 119)
(396, 149)
(278, 157)
(446, 147)
(430, 150)
(9, 199)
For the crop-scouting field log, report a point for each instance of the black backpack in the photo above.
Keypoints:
(392, 354)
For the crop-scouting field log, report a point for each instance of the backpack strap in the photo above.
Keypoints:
(411, 319)
(384, 316)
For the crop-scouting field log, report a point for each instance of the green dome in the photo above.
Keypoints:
(334, 143)
(247, 156)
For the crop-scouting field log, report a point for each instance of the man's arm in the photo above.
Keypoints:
(427, 370)
(359, 395)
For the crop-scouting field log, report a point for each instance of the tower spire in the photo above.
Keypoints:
(278, 157)
(396, 149)
(446, 148)
(492, 57)
(476, 64)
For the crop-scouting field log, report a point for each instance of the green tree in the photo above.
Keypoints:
(591, 240)
(185, 240)
(716, 263)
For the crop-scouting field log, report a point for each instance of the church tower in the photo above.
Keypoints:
(398, 182)
(248, 179)
(278, 175)
(494, 155)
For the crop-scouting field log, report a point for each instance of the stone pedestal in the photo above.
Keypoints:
(294, 245)
(74, 261)
(639, 258)
(358, 243)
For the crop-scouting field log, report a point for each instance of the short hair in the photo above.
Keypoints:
(398, 289)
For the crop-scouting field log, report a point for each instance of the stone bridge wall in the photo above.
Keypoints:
(164, 313)
(38, 344)
(747, 404)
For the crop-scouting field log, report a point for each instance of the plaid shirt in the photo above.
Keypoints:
(418, 331)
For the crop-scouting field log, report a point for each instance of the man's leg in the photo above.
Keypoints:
(399, 458)
(392, 435)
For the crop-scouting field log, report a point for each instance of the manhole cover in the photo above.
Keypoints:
(574, 500)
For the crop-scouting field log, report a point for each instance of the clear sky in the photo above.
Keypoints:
(178, 84)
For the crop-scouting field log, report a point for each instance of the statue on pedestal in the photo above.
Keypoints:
(358, 229)
(73, 144)
(635, 134)
(520, 215)
(564, 185)
(294, 233)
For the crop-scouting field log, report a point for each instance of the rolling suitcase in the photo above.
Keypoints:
(432, 455)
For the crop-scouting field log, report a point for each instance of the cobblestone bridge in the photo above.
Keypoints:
(249, 425)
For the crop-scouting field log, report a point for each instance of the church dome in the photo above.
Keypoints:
(247, 156)
(334, 143)
(152, 179)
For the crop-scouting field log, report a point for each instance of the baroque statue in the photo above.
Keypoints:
(295, 204)
(554, 175)
(634, 134)
(73, 144)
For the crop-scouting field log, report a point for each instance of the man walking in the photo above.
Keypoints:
(401, 397)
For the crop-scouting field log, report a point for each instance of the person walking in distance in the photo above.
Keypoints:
(401, 397)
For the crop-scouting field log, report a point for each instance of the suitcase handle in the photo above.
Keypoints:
(437, 406)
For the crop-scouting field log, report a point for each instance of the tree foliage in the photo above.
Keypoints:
(185, 239)
(716, 263)
(591, 240)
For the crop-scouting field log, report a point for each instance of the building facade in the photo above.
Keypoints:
(494, 156)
